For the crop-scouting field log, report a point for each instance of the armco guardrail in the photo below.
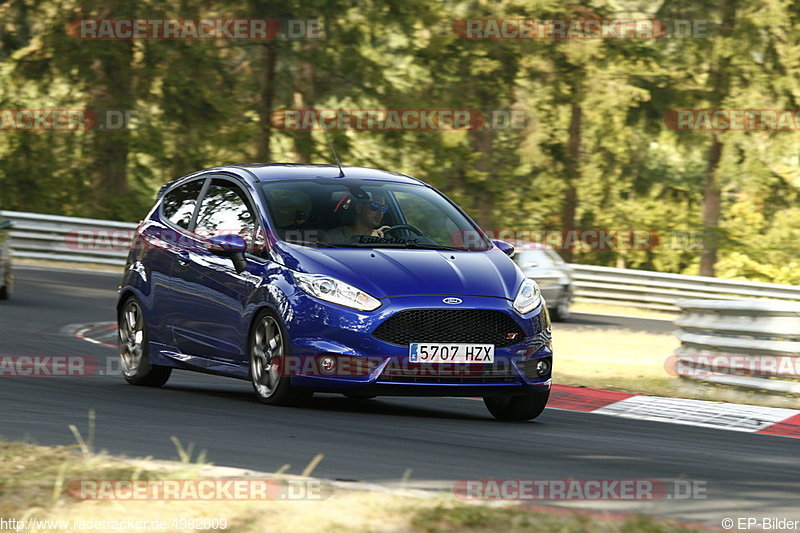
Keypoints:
(748, 343)
(659, 290)
(57, 238)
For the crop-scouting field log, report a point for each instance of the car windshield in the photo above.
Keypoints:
(537, 258)
(346, 213)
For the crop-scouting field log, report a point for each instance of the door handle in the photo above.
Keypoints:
(183, 258)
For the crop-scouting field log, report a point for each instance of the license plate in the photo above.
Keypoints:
(437, 352)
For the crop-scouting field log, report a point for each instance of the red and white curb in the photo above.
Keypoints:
(702, 413)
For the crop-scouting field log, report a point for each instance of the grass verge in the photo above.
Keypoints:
(636, 362)
(34, 481)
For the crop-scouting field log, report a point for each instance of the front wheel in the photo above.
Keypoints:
(517, 408)
(267, 364)
(133, 350)
(357, 396)
(560, 313)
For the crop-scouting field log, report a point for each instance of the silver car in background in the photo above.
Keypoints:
(553, 274)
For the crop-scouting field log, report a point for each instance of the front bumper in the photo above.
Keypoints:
(320, 332)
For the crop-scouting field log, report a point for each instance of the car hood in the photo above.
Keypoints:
(384, 272)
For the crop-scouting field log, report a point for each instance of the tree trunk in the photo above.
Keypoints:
(111, 90)
(303, 98)
(267, 102)
(483, 205)
(572, 169)
(712, 196)
(712, 202)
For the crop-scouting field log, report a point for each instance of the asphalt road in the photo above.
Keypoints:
(440, 439)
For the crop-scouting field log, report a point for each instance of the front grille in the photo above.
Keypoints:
(474, 326)
(449, 373)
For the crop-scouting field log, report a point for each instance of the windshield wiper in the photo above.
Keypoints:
(323, 244)
(401, 245)
(423, 246)
(314, 243)
(407, 245)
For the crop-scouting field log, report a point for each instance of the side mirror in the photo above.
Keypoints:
(229, 245)
(505, 247)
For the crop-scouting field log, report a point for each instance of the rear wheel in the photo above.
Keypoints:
(517, 408)
(133, 348)
(267, 363)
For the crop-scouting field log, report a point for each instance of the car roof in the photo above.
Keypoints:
(264, 172)
(282, 171)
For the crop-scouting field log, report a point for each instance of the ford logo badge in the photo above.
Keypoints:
(452, 301)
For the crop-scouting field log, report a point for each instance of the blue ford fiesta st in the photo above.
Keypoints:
(312, 278)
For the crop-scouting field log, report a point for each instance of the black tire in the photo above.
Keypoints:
(132, 345)
(267, 347)
(517, 408)
(560, 313)
(356, 396)
(8, 285)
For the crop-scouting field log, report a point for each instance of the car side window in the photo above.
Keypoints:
(555, 257)
(179, 203)
(225, 210)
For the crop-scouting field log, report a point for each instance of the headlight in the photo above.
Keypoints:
(528, 298)
(334, 291)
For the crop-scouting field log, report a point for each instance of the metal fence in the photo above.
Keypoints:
(58, 238)
(739, 341)
(749, 343)
(76, 240)
(658, 290)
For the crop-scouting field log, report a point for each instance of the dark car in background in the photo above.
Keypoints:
(6, 276)
(554, 276)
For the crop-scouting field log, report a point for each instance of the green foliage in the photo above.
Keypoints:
(594, 152)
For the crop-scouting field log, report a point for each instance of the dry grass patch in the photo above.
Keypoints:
(636, 362)
(34, 479)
